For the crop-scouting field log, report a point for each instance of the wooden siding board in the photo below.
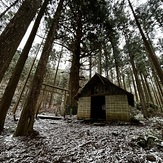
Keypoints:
(117, 108)
(84, 105)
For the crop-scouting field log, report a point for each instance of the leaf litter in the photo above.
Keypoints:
(70, 140)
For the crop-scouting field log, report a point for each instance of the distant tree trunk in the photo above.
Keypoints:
(90, 67)
(14, 32)
(151, 55)
(124, 83)
(155, 92)
(140, 90)
(40, 100)
(159, 88)
(108, 66)
(106, 60)
(55, 77)
(8, 8)
(25, 124)
(11, 87)
(99, 62)
(42, 97)
(135, 88)
(129, 82)
(145, 88)
(116, 62)
(148, 88)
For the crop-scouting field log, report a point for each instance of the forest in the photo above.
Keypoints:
(49, 49)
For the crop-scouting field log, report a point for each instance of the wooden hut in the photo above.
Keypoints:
(100, 99)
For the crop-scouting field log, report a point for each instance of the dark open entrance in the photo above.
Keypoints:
(98, 108)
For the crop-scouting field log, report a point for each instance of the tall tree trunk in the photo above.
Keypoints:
(74, 77)
(151, 55)
(74, 71)
(11, 87)
(25, 125)
(14, 32)
(24, 83)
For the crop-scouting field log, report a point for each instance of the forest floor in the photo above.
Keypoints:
(66, 141)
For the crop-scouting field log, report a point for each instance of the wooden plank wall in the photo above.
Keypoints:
(117, 108)
(84, 108)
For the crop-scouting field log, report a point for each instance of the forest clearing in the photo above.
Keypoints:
(71, 140)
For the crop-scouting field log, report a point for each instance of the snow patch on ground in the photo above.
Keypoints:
(64, 141)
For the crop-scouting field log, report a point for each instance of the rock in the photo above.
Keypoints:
(151, 157)
(88, 132)
(139, 117)
(142, 142)
(150, 141)
(161, 144)
(114, 133)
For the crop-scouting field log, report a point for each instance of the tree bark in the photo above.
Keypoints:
(74, 77)
(26, 122)
(11, 87)
(14, 32)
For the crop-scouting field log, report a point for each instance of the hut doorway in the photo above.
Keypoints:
(98, 111)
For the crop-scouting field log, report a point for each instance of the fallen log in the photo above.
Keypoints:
(49, 117)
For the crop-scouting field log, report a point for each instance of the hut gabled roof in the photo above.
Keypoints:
(98, 78)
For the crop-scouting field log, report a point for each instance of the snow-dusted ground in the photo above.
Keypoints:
(60, 141)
